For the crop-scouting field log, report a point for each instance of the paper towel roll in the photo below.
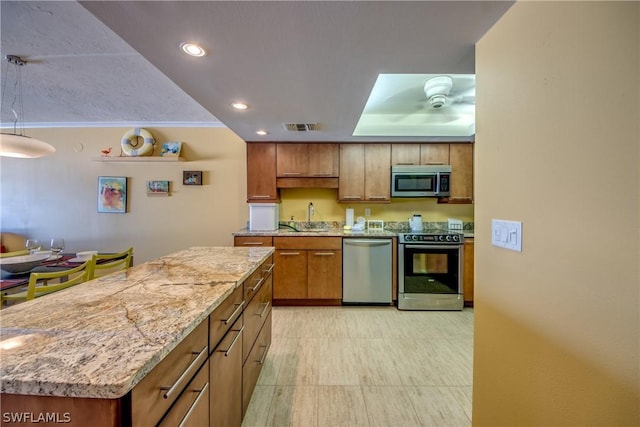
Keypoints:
(349, 220)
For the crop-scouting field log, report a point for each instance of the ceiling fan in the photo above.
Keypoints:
(440, 92)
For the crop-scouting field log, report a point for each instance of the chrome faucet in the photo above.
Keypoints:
(310, 212)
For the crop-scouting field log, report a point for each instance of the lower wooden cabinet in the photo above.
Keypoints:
(192, 407)
(226, 379)
(468, 271)
(307, 268)
(253, 365)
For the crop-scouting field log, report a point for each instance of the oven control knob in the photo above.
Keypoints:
(456, 238)
(441, 238)
(448, 238)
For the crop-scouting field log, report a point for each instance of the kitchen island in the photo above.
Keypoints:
(92, 344)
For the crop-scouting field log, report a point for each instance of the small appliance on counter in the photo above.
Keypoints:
(263, 216)
(454, 224)
(415, 223)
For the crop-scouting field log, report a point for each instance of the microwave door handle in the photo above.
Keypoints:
(437, 183)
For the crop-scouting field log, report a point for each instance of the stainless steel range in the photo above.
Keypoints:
(430, 270)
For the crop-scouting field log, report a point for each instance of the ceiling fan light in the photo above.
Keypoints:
(24, 147)
(437, 101)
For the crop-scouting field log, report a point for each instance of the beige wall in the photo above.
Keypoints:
(557, 326)
(57, 195)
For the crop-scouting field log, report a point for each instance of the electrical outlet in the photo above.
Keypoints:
(506, 234)
(367, 211)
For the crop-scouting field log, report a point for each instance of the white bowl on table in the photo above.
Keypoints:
(23, 263)
(83, 256)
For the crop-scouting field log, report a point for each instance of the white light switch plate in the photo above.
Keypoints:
(506, 234)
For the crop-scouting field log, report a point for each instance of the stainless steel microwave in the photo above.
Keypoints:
(420, 181)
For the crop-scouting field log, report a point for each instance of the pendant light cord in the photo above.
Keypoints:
(17, 94)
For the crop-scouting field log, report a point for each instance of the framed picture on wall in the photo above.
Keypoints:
(160, 188)
(112, 194)
(192, 177)
(171, 149)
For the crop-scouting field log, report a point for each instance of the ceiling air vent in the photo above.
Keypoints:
(301, 127)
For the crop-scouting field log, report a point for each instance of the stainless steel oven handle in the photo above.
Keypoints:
(443, 246)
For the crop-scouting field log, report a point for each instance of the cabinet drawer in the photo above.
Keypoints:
(192, 407)
(153, 396)
(253, 241)
(253, 284)
(307, 242)
(252, 367)
(255, 315)
(223, 317)
(225, 367)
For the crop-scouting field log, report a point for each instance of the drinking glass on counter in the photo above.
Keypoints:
(33, 245)
(57, 246)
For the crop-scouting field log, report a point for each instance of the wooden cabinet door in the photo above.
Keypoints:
(405, 154)
(461, 159)
(351, 181)
(292, 160)
(225, 365)
(434, 154)
(192, 407)
(468, 272)
(261, 172)
(252, 241)
(323, 160)
(290, 274)
(325, 274)
(378, 172)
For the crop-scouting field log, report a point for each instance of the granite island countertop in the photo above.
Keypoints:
(100, 338)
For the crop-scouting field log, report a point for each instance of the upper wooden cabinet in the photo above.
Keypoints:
(365, 173)
(307, 160)
(261, 172)
(419, 154)
(461, 160)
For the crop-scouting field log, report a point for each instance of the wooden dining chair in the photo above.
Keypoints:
(40, 283)
(14, 253)
(109, 263)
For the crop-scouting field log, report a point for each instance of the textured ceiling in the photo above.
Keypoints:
(301, 62)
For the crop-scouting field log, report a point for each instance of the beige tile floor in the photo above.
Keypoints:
(365, 366)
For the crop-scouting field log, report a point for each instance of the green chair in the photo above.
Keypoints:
(39, 283)
(109, 263)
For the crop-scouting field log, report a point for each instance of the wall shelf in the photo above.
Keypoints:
(139, 159)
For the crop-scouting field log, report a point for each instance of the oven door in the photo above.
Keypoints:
(430, 277)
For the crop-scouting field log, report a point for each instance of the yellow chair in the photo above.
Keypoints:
(14, 253)
(109, 263)
(39, 282)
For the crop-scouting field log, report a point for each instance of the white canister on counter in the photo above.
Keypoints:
(349, 218)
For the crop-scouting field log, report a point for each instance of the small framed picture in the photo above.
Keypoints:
(192, 177)
(160, 188)
(112, 194)
(171, 149)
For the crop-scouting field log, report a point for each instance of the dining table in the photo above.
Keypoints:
(9, 282)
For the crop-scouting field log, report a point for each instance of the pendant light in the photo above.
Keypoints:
(17, 144)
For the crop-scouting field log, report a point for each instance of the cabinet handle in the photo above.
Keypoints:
(378, 197)
(264, 355)
(351, 197)
(268, 271)
(228, 350)
(434, 163)
(253, 196)
(194, 405)
(257, 285)
(231, 318)
(324, 253)
(186, 375)
(323, 174)
(289, 253)
(266, 306)
(405, 163)
(252, 243)
(292, 173)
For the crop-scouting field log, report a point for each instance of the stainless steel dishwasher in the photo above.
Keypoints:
(366, 270)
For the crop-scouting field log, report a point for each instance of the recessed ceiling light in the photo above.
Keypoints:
(262, 132)
(239, 105)
(192, 49)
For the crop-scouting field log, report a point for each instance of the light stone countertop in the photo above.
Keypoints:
(332, 232)
(100, 338)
